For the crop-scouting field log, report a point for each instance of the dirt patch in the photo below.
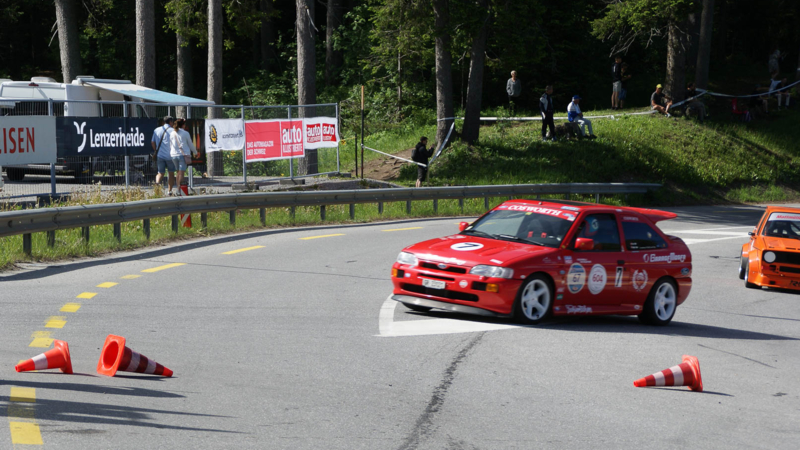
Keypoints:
(385, 168)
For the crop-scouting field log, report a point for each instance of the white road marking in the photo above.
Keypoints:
(726, 233)
(389, 328)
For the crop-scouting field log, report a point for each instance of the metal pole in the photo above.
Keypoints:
(291, 159)
(244, 156)
(191, 168)
(127, 157)
(52, 164)
(338, 129)
(362, 132)
(355, 150)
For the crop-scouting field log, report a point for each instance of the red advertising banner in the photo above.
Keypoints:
(267, 140)
(321, 132)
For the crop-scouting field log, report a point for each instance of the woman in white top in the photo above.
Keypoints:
(180, 145)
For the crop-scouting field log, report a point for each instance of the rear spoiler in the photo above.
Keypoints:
(654, 214)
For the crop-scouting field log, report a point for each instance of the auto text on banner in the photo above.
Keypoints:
(27, 140)
(224, 134)
(273, 139)
(104, 136)
(321, 132)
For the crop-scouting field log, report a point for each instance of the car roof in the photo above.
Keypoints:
(652, 214)
(776, 208)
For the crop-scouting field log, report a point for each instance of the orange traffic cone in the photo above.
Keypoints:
(186, 219)
(687, 373)
(116, 356)
(57, 358)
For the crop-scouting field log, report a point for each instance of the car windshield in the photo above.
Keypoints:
(531, 225)
(785, 225)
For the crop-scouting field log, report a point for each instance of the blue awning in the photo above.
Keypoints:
(153, 95)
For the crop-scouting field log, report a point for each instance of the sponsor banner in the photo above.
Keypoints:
(273, 139)
(540, 210)
(784, 216)
(321, 132)
(27, 140)
(104, 136)
(224, 134)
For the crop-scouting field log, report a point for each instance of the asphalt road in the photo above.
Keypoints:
(292, 345)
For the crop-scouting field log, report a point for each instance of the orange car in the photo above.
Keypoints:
(772, 257)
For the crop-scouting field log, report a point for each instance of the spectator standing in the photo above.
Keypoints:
(657, 101)
(514, 90)
(547, 110)
(575, 115)
(161, 146)
(694, 104)
(181, 145)
(616, 86)
(623, 94)
(421, 154)
(774, 62)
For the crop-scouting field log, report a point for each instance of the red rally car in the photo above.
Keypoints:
(528, 259)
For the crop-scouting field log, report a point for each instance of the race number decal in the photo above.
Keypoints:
(618, 279)
(597, 279)
(466, 246)
(576, 278)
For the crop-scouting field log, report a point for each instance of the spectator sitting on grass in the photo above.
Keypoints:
(657, 101)
(575, 115)
(758, 103)
(693, 103)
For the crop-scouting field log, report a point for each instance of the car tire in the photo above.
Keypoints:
(15, 174)
(417, 308)
(742, 267)
(534, 300)
(746, 277)
(661, 303)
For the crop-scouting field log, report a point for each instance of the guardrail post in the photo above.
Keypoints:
(408, 206)
(27, 244)
(232, 215)
(352, 211)
(461, 205)
(292, 212)
(85, 234)
(435, 205)
(322, 212)
(380, 207)
(51, 238)
(566, 196)
(146, 228)
(175, 223)
(262, 214)
(204, 220)
(486, 203)
(597, 197)
(118, 231)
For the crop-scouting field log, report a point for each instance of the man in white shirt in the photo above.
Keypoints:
(575, 115)
(161, 144)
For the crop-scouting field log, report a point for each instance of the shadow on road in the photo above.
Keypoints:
(90, 388)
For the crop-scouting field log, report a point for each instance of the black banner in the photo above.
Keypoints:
(104, 136)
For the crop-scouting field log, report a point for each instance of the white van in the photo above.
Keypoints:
(84, 87)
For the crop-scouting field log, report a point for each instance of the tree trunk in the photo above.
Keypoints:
(306, 71)
(267, 35)
(675, 86)
(68, 40)
(214, 91)
(399, 83)
(692, 38)
(145, 44)
(477, 58)
(184, 65)
(444, 76)
(333, 58)
(704, 47)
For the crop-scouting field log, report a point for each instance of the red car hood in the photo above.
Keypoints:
(776, 243)
(471, 250)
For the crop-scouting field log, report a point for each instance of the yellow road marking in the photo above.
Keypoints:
(70, 307)
(86, 295)
(233, 252)
(164, 267)
(55, 322)
(130, 277)
(41, 339)
(21, 394)
(404, 229)
(107, 284)
(323, 236)
(25, 433)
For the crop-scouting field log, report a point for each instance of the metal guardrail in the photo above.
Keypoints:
(51, 219)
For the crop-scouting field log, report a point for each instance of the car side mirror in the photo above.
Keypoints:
(751, 233)
(584, 244)
(463, 226)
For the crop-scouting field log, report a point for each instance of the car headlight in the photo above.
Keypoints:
(492, 271)
(407, 258)
(769, 257)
